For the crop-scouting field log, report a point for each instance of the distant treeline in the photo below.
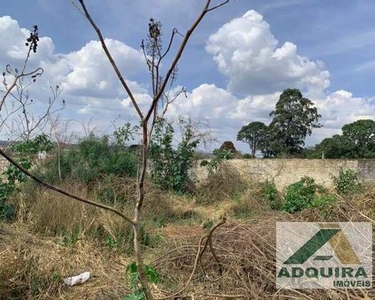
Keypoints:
(294, 118)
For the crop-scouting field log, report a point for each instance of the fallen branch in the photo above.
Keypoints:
(200, 252)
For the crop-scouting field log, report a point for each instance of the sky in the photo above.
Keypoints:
(235, 66)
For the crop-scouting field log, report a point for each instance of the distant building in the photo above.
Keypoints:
(228, 146)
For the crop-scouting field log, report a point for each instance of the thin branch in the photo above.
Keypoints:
(63, 192)
(16, 79)
(111, 60)
(77, 7)
(198, 256)
(179, 53)
(217, 6)
(174, 31)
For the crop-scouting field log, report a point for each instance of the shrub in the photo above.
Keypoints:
(305, 194)
(269, 191)
(219, 156)
(170, 166)
(347, 182)
(90, 160)
(26, 152)
(299, 195)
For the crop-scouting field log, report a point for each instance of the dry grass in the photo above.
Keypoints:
(223, 184)
(251, 202)
(55, 237)
(33, 260)
(247, 252)
(33, 268)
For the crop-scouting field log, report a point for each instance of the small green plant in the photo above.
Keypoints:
(138, 292)
(70, 238)
(300, 195)
(170, 166)
(219, 156)
(269, 191)
(208, 224)
(111, 242)
(324, 201)
(306, 194)
(347, 182)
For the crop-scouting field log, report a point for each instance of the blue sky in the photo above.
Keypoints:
(325, 48)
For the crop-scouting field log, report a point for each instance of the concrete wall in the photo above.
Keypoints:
(286, 171)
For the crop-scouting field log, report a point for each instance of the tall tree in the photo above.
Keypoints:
(360, 135)
(293, 119)
(357, 141)
(254, 134)
(334, 147)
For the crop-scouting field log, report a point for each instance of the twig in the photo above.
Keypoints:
(178, 55)
(111, 60)
(197, 258)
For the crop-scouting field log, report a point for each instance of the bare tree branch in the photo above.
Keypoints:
(37, 72)
(179, 53)
(217, 6)
(206, 238)
(110, 58)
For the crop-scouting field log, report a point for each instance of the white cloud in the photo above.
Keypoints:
(90, 73)
(13, 48)
(205, 102)
(90, 86)
(341, 107)
(247, 52)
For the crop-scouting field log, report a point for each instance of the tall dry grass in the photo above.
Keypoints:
(51, 214)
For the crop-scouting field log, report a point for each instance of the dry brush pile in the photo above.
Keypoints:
(246, 253)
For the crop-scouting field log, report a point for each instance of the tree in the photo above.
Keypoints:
(254, 134)
(293, 119)
(357, 141)
(154, 55)
(334, 147)
(360, 135)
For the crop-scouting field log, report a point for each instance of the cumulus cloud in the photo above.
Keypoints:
(89, 71)
(13, 38)
(89, 84)
(257, 67)
(247, 52)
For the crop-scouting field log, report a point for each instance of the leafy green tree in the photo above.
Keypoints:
(335, 147)
(170, 166)
(254, 134)
(293, 119)
(360, 135)
(357, 141)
